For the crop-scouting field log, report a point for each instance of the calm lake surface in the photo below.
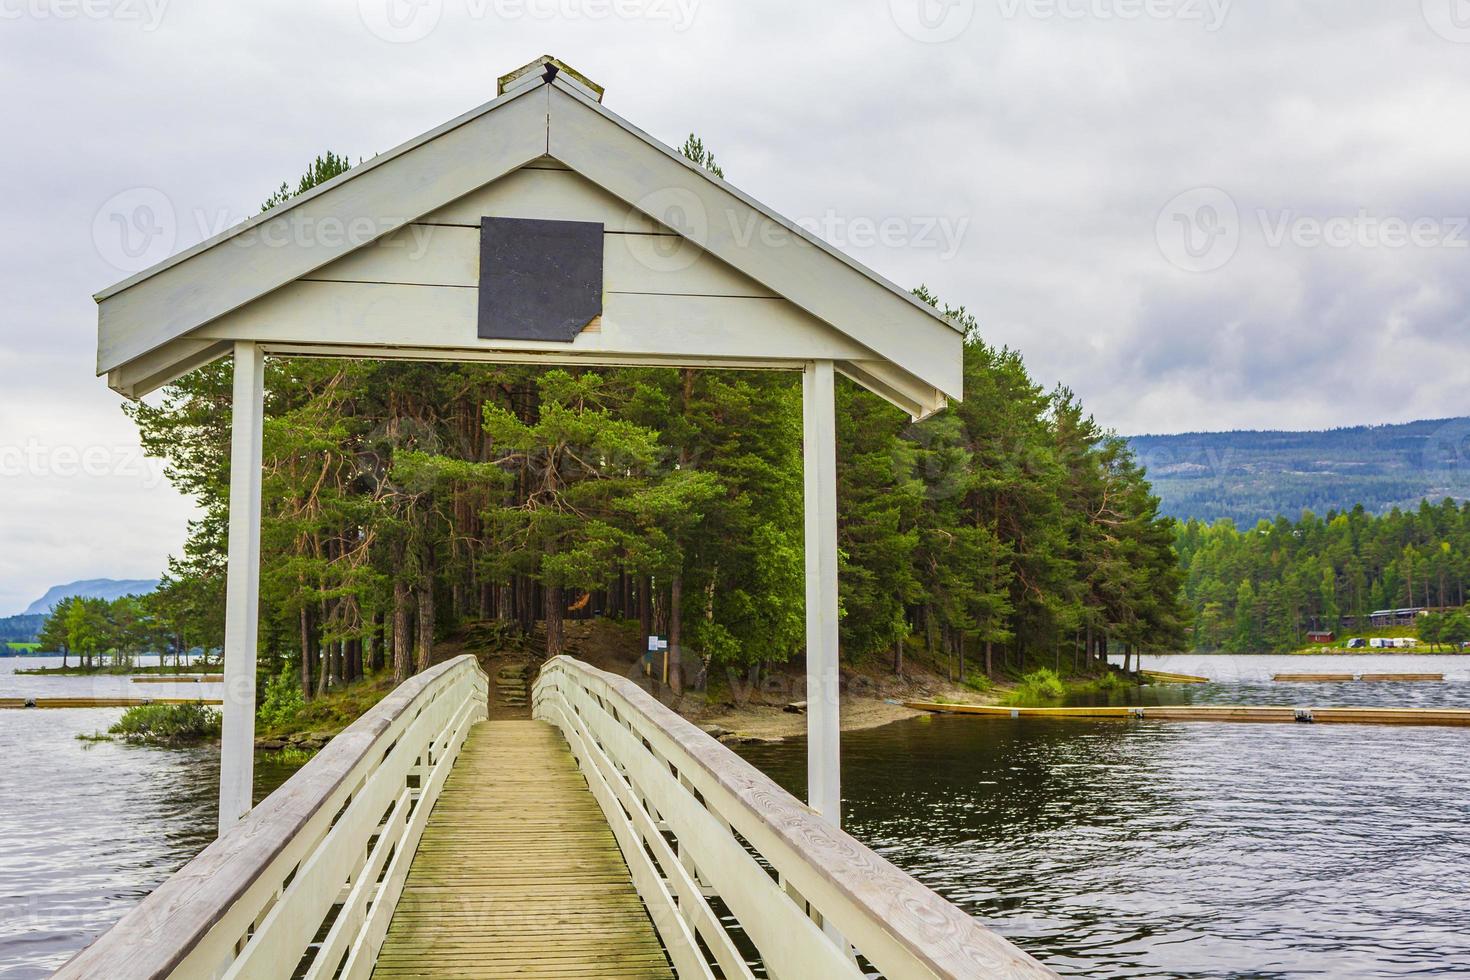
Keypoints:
(89, 828)
(1107, 849)
(1187, 849)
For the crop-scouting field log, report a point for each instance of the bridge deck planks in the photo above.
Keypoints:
(518, 874)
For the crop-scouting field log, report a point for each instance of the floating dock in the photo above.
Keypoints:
(1217, 712)
(1371, 678)
(99, 702)
(1164, 677)
(179, 679)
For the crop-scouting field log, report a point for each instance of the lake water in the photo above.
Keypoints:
(1188, 849)
(88, 828)
(1107, 849)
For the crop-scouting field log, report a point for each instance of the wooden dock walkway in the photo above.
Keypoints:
(1212, 712)
(44, 702)
(518, 873)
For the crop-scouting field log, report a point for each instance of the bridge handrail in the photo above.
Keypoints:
(695, 822)
(251, 903)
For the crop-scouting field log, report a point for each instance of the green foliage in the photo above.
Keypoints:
(694, 150)
(163, 723)
(1450, 629)
(91, 628)
(1265, 588)
(1037, 687)
(283, 700)
(322, 169)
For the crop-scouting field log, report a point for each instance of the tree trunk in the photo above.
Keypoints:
(306, 691)
(426, 627)
(555, 639)
(676, 630)
(321, 653)
(402, 612)
(375, 643)
(645, 606)
(898, 656)
(989, 658)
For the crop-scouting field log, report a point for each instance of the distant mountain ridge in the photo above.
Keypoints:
(1250, 476)
(94, 588)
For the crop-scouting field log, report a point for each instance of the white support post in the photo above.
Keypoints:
(242, 591)
(819, 418)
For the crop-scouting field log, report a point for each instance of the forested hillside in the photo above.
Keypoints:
(1263, 588)
(404, 500)
(1252, 476)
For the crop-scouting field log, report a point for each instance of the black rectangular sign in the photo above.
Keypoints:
(539, 280)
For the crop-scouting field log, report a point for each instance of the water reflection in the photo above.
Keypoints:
(1113, 849)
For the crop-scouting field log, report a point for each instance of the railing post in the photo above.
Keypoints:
(242, 591)
(819, 452)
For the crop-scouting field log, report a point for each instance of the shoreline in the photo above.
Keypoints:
(758, 724)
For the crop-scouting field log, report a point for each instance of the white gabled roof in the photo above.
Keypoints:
(145, 320)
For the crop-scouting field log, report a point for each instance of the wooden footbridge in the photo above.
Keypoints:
(608, 837)
(544, 230)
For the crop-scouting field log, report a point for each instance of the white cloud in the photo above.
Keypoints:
(1055, 140)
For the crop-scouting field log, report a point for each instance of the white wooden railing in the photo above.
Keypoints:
(305, 885)
(704, 832)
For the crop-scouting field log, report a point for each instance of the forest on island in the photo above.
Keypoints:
(1263, 589)
(403, 501)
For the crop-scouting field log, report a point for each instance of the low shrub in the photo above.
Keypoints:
(168, 723)
(1040, 685)
(282, 701)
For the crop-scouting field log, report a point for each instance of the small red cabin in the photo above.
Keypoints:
(1321, 636)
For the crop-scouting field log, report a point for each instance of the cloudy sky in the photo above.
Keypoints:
(1199, 214)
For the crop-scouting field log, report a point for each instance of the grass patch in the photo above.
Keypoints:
(328, 714)
(168, 724)
(1110, 682)
(292, 755)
